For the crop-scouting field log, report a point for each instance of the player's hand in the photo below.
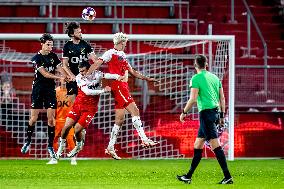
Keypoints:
(181, 117)
(153, 80)
(107, 89)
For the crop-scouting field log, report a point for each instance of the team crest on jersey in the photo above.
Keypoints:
(83, 51)
(51, 61)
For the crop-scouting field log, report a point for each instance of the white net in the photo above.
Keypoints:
(166, 58)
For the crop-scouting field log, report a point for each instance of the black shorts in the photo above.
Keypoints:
(208, 119)
(43, 96)
(72, 88)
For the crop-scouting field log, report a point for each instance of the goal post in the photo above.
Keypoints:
(169, 59)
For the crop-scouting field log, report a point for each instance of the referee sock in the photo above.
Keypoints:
(195, 161)
(30, 131)
(219, 153)
(50, 136)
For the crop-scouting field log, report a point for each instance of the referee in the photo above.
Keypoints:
(207, 91)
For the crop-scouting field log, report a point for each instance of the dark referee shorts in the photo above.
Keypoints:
(208, 119)
(72, 88)
(43, 96)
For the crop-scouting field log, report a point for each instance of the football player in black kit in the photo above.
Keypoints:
(43, 90)
(75, 51)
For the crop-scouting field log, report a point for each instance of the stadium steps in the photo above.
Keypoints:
(218, 14)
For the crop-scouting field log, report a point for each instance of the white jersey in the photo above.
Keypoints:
(90, 86)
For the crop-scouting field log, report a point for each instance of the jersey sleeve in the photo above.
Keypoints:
(56, 60)
(37, 62)
(106, 57)
(220, 84)
(194, 83)
(65, 53)
(89, 48)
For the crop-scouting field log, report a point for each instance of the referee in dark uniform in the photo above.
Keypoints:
(43, 95)
(75, 51)
(207, 91)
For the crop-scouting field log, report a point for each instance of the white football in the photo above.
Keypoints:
(88, 13)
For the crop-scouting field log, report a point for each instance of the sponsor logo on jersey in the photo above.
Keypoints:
(83, 51)
(49, 69)
(63, 104)
(77, 60)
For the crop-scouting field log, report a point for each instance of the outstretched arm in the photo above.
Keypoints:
(140, 75)
(46, 74)
(89, 91)
(95, 66)
(67, 69)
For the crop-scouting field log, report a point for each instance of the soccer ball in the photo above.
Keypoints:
(89, 14)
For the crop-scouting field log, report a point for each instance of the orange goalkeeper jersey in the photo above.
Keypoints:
(64, 104)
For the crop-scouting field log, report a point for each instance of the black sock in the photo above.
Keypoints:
(195, 161)
(50, 136)
(30, 131)
(222, 161)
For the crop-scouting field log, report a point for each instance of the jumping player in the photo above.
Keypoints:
(85, 105)
(117, 64)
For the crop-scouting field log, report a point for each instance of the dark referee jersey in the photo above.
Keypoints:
(76, 53)
(49, 63)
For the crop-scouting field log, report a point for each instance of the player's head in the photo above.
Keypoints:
(46, 41)
(73, 30)
(119, 40)
(84, 67)
(200, 61)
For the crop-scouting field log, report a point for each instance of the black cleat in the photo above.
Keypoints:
(184, 179)
(226, 181)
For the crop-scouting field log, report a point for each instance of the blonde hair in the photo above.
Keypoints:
(119, 37)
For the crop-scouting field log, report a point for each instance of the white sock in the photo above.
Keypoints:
(62, 141)
(113, 136)
(138, 126)
(79, 144)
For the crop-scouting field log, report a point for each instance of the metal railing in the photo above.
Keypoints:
(250, 18)
(117, 22)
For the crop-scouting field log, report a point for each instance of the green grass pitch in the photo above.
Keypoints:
(138, 174)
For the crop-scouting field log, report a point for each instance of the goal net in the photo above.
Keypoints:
(168, 58)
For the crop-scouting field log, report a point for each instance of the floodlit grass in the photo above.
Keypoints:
(138, 174)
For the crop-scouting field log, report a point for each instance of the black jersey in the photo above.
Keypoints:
(49, 63)
(76, 54)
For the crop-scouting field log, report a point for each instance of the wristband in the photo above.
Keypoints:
(222, 114)
(184, 112)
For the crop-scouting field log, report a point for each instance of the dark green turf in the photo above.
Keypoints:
(251, 174)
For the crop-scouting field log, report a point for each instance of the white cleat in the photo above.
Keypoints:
(75, 151)
(52, 161)
(148, 143)
(73, 161)
(112, 153)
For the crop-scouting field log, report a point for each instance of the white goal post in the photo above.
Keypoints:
(170, 53)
